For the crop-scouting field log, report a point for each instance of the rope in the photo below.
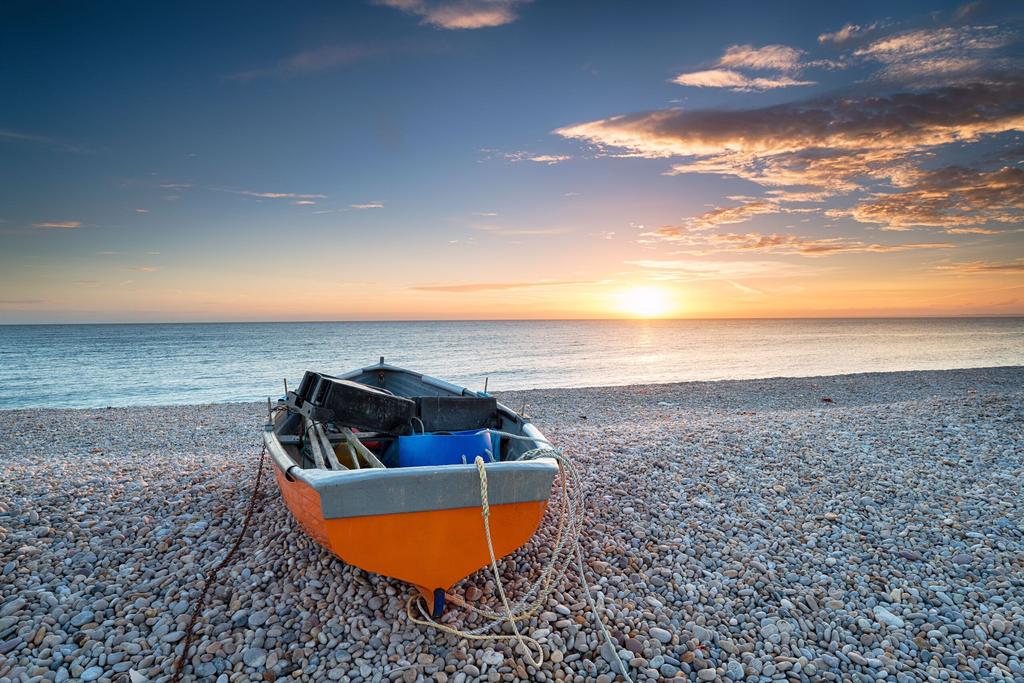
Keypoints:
(211, 576)
(571, 515)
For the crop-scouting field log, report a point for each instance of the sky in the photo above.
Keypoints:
(501, 159)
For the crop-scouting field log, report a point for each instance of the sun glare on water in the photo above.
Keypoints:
(645, 302)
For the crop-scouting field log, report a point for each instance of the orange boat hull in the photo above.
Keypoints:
(432, 549)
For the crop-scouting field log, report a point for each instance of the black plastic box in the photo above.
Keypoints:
(350, 404)
(453, 413)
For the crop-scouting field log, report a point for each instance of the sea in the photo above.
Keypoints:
(88, 366)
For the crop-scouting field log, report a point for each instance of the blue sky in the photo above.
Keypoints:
(473, 159)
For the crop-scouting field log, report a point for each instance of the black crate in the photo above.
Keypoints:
(350, 404)
(454, 413)
(306, 386)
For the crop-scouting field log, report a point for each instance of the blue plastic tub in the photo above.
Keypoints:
(444, 448)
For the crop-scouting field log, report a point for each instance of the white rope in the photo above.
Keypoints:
(566, 552)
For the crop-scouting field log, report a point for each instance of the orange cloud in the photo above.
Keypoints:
(949, 198)
(904, 122)
(67, 225)
(812, 149)
(985, 268)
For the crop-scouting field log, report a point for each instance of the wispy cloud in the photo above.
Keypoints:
(316, 60)
(707, 244)
(798, 196)
(719, 269)
(145, 269)
(924, 42)
(67, 225)
(273, 195)
(849, 33)
(729, 215)
(8, 135)
(459, 14)
(942, 55)
(782, 60)
(494, 286)
(368, 205)
(1015, 267)
(769, 57)
(549, 159)
(516, 157)
(727, 78)
(520, 232)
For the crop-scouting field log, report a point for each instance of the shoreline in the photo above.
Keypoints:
(773, 384)
(738, 530)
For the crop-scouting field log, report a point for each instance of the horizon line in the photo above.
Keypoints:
(976, 316)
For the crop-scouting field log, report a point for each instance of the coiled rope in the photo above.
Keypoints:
(566, 552)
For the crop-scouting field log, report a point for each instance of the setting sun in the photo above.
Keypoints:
(644, 302)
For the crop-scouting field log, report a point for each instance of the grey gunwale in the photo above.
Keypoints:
(358, 493)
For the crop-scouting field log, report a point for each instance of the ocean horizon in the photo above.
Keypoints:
(88, 365)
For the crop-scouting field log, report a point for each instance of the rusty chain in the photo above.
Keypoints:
(211, 576)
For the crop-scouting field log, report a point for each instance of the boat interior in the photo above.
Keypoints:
(387, 417)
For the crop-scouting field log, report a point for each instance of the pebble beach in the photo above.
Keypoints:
(849, 528)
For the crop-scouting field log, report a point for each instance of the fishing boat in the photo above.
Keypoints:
(377, 465)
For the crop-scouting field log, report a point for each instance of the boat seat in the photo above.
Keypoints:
(456, 413)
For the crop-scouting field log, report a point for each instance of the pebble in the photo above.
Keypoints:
(12, 607)
(744, 534)
(82, 618)
(661, 635)
(258, 618)
(888, 618)
(254, 657)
